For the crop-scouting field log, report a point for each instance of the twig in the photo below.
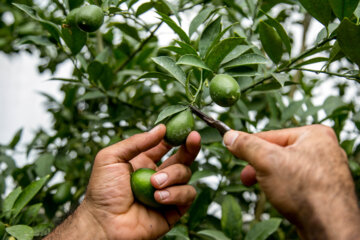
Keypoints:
(351, 77)
(256, 84)
(143, 43)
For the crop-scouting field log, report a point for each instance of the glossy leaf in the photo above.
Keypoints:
(236, 52)
(169, 111)
(10, 200)
(209, 35)
(262, 230)
(175, 27)
(281, 78)
(247, 59)
(22, 232)
(27, 194)
(220, 51)
(199, 208)
(74, 38)
(271, 42)
(231, 218)
(180, 232)
(170, 65)
(343, 8)
(213, 234)
(43, 164)
(16, 138)
(348, 36)
(143, 8)
(192, 60)
(199, 19)
(320, 9)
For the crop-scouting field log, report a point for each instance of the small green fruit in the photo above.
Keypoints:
(179, 127)
(71, 17)
(90, 18)
(224, 90)
(142, 188)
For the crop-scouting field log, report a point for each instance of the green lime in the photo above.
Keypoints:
(142, 188)
(90, 18)
(71, 17)
(179, 127)
(224, 90)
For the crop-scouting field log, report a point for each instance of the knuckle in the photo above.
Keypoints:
(103, 153)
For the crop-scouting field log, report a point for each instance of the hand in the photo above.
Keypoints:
(109, 210)
(305, 175)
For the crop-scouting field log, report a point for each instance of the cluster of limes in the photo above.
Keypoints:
(88, 18)
(224, 91)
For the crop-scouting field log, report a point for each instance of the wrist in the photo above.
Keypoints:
(330, 217)
(80, 225)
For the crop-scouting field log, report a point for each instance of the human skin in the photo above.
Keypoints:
(109, 210)
(305, 176)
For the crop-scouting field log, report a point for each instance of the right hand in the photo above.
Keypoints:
(305, 176)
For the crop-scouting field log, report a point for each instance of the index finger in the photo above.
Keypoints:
(127, 149)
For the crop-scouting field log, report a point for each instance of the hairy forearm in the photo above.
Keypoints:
(79, 225)
(335, 218)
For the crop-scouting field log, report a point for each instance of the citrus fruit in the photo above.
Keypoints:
(142, 188)
(89, 18)
(71, 17)
(224, 90)
(179, 127)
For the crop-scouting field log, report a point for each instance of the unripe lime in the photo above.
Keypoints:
(142, 188)
(179, 127)
(71, 17)
(224, 90)
(90, 18)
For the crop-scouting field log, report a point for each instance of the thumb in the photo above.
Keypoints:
(256, 151)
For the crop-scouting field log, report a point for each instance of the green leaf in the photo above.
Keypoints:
(348, 36)
(128, 30)
(74, 38)
(271, 42)
(236, 52)
(192, 60)
(319, 9)
(187, 48)
(333, 103)
(291, 110)
(31, 212)
(213, 234)
(247, 59)
(51, 27)
(27, 194)
(198, 209)
(10, 162)
(43, 164)
(199, 19)
(173, 9)
(281, 31)
(10, 200)
(174, 27)
(101, 73)
(21, 232)
(91, 95)
(220, 51)
(200, 174)
(348, 146)
(180, 232)
(209, 35)
(262, 230)
(210, 135)
(15, 139)
(312, 61)
(170, 65)
(169, 111)
(231, 218)
(343, 8)
(143, 8)
(281, 78)
(37, 40)
(156, 75)
(235, 188)
(74, 3)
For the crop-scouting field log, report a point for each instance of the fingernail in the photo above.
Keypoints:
(230, 137)
(155, 129)
(164, 194)
(160, 178)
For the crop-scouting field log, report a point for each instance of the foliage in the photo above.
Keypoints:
(123, 81)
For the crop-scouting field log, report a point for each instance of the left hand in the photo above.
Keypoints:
(109, 198)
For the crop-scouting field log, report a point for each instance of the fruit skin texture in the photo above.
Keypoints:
(224, 90)
(89, 18)
(71, 17)
(142, 188)
(179, 127)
